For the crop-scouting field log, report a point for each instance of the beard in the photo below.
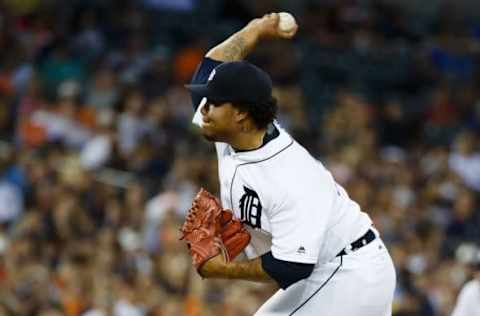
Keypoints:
(208, 135)
(209, 138)
(214, 136)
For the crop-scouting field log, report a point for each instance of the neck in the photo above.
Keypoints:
(249, 140)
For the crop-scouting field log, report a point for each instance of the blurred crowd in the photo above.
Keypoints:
(99, 161)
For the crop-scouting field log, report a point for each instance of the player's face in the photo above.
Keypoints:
(220, 121)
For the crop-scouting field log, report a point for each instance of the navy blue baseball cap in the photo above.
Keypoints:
(236, 81)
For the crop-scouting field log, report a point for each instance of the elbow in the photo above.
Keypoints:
(285, 273)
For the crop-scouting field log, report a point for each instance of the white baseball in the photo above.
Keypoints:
(286, 22)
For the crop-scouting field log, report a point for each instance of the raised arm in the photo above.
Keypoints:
(241, 43)
(238, 46)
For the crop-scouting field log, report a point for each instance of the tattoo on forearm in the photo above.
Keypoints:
(245, 270)
(235, 49)
(249, 270)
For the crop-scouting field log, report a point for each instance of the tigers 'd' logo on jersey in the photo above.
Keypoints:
(251, 208)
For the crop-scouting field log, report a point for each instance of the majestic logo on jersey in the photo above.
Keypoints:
(251, 208)
(301, 250)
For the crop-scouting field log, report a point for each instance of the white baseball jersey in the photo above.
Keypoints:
(289, 202)
(292, 207)
(468, 302)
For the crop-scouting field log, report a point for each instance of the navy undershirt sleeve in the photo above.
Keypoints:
(201, 76)
(285, 273)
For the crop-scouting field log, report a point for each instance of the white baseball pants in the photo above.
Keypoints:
(360, 283)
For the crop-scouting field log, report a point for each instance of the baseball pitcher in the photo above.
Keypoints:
(297, 226)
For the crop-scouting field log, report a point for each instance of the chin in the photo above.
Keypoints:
(209, 138)
(208, 135)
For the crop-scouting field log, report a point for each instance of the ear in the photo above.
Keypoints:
(240, 115)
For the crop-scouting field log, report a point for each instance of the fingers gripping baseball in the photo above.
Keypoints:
(209, 230)
(287, 26)
(276, 25)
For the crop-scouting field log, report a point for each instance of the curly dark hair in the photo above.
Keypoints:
(262, 114)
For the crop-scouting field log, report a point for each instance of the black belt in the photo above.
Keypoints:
(359, 243)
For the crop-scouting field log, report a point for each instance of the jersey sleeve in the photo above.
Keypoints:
(284, 272)
(298, 223)
(201, 76)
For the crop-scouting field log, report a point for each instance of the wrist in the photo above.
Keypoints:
(254, 30)
(212, 268)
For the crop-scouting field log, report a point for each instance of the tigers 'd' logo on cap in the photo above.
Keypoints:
(212, 74)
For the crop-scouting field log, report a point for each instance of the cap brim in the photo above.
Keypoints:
(198, 89)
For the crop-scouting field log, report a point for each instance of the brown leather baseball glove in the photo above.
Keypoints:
(208, 230)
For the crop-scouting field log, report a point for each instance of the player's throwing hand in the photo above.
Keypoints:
(268, 26)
